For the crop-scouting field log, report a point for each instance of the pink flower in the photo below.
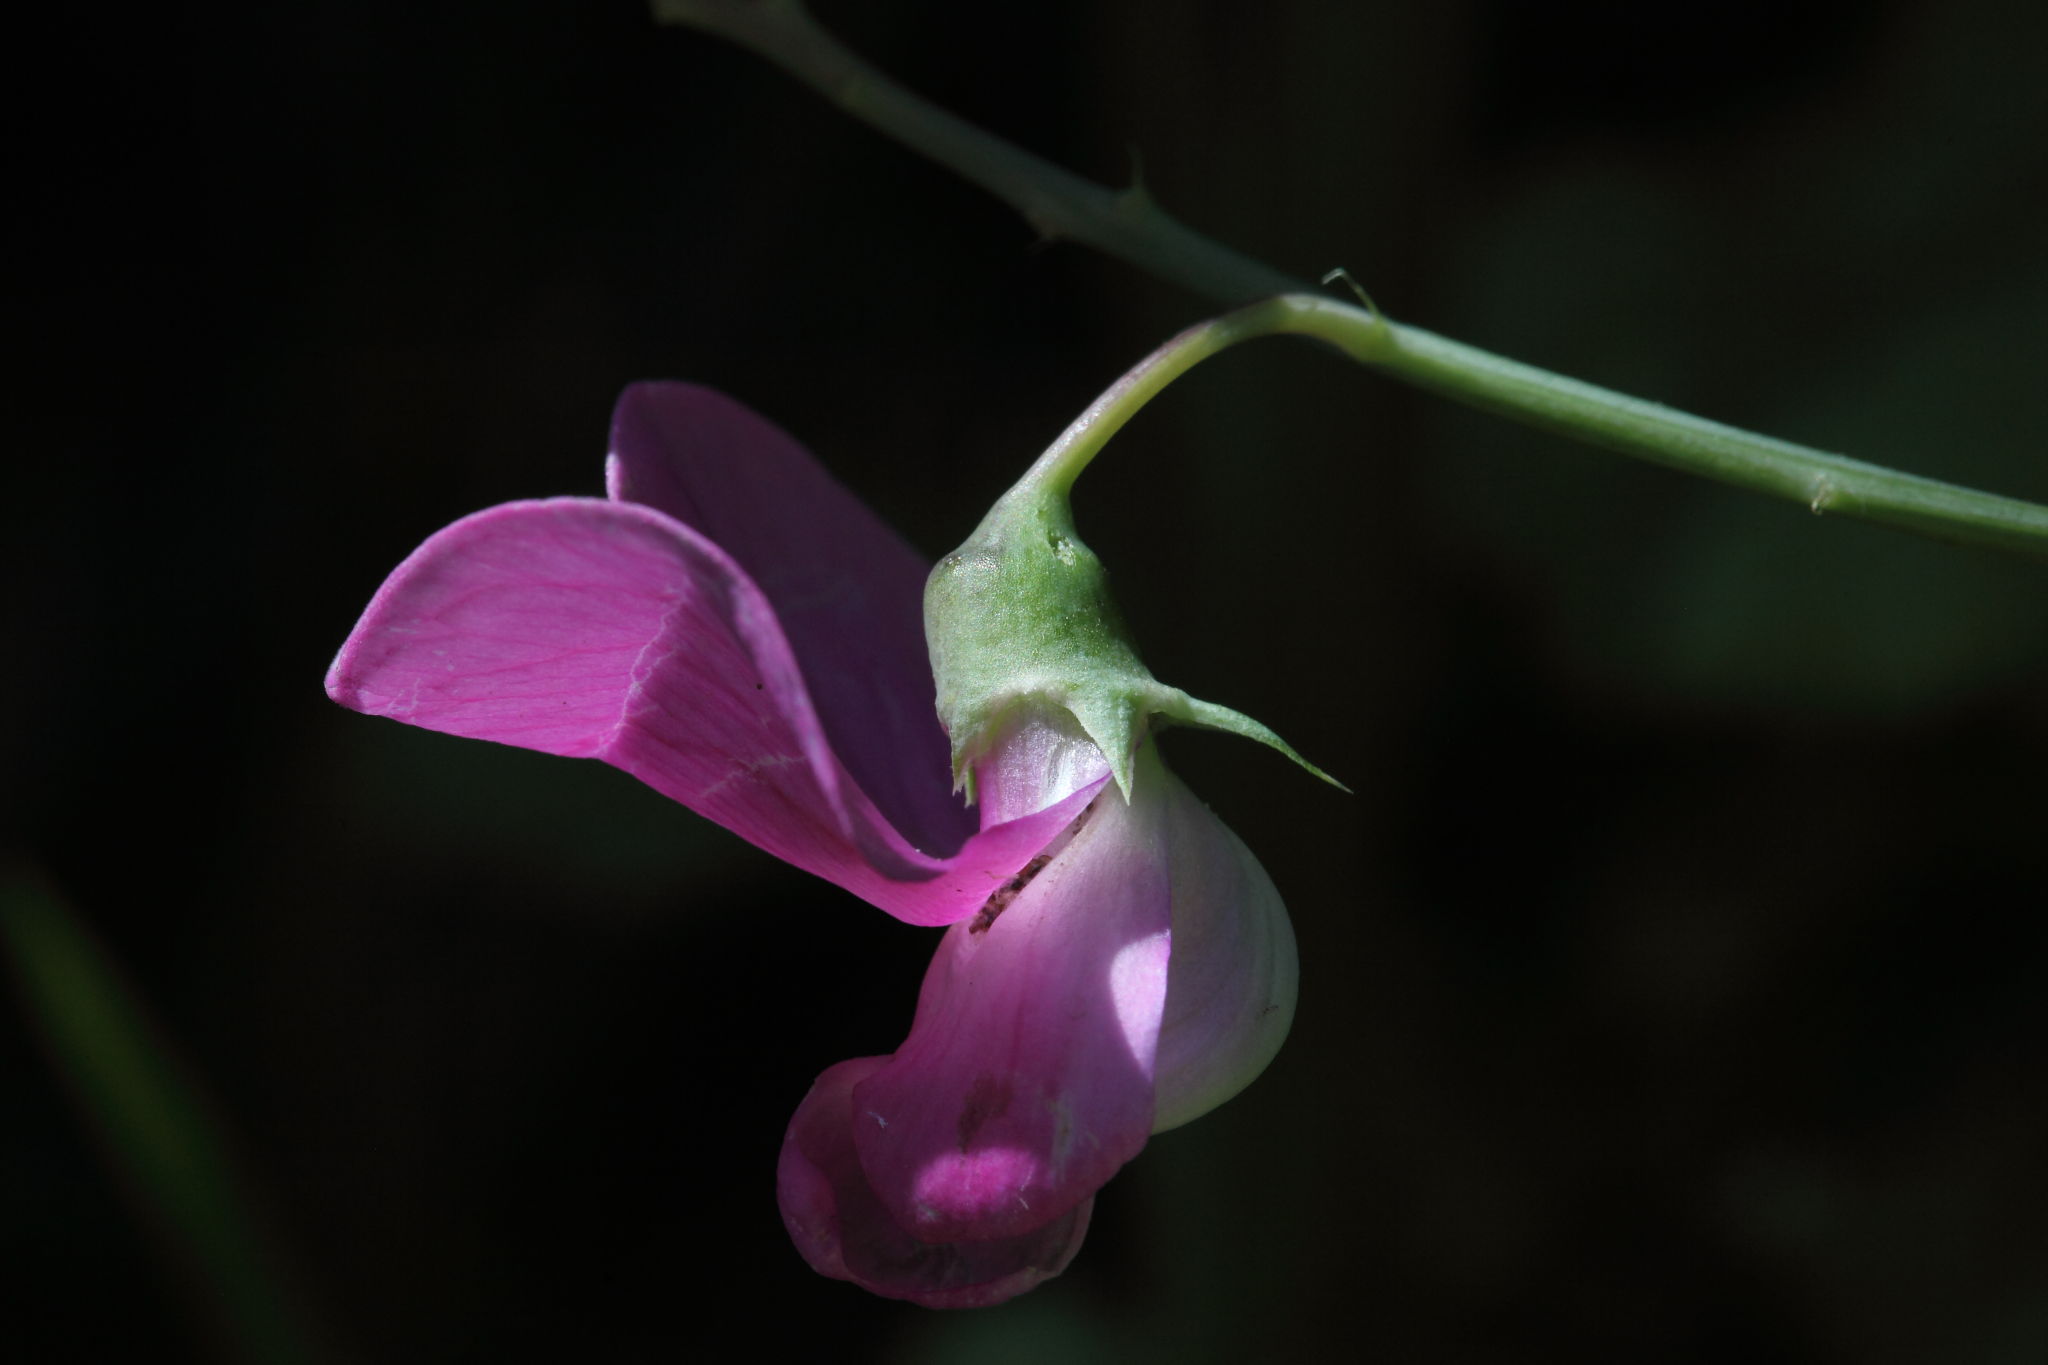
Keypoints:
(736, 630)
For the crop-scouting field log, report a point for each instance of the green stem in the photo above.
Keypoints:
(1059, 204)
(1824, 482)
(1063, 460)
(1130, 226)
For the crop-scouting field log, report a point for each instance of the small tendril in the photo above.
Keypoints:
(1340, 273)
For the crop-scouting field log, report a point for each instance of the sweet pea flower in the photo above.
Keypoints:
(735, 629)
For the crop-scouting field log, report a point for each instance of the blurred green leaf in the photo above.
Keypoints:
(149, 1121)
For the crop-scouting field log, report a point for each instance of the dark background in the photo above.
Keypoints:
(1673, 985)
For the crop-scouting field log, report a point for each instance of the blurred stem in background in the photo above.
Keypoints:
(151, 1125)
(1130, 226)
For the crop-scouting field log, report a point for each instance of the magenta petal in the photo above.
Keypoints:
(607, 630)
(1230, 1001)
(848, 591)
(1027, 1077)
(843, 1230)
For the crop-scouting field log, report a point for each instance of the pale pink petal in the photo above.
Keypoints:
(1041, 756)
(1027, 1077)
(842, 1229)
(848, 591)
(1230, 996)
(607, 630)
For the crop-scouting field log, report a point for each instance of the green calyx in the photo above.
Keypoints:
(1019, 618)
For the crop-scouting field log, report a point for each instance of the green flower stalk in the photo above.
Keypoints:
(1020, 621)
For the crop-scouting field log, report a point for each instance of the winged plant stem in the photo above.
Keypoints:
(1128, 225)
